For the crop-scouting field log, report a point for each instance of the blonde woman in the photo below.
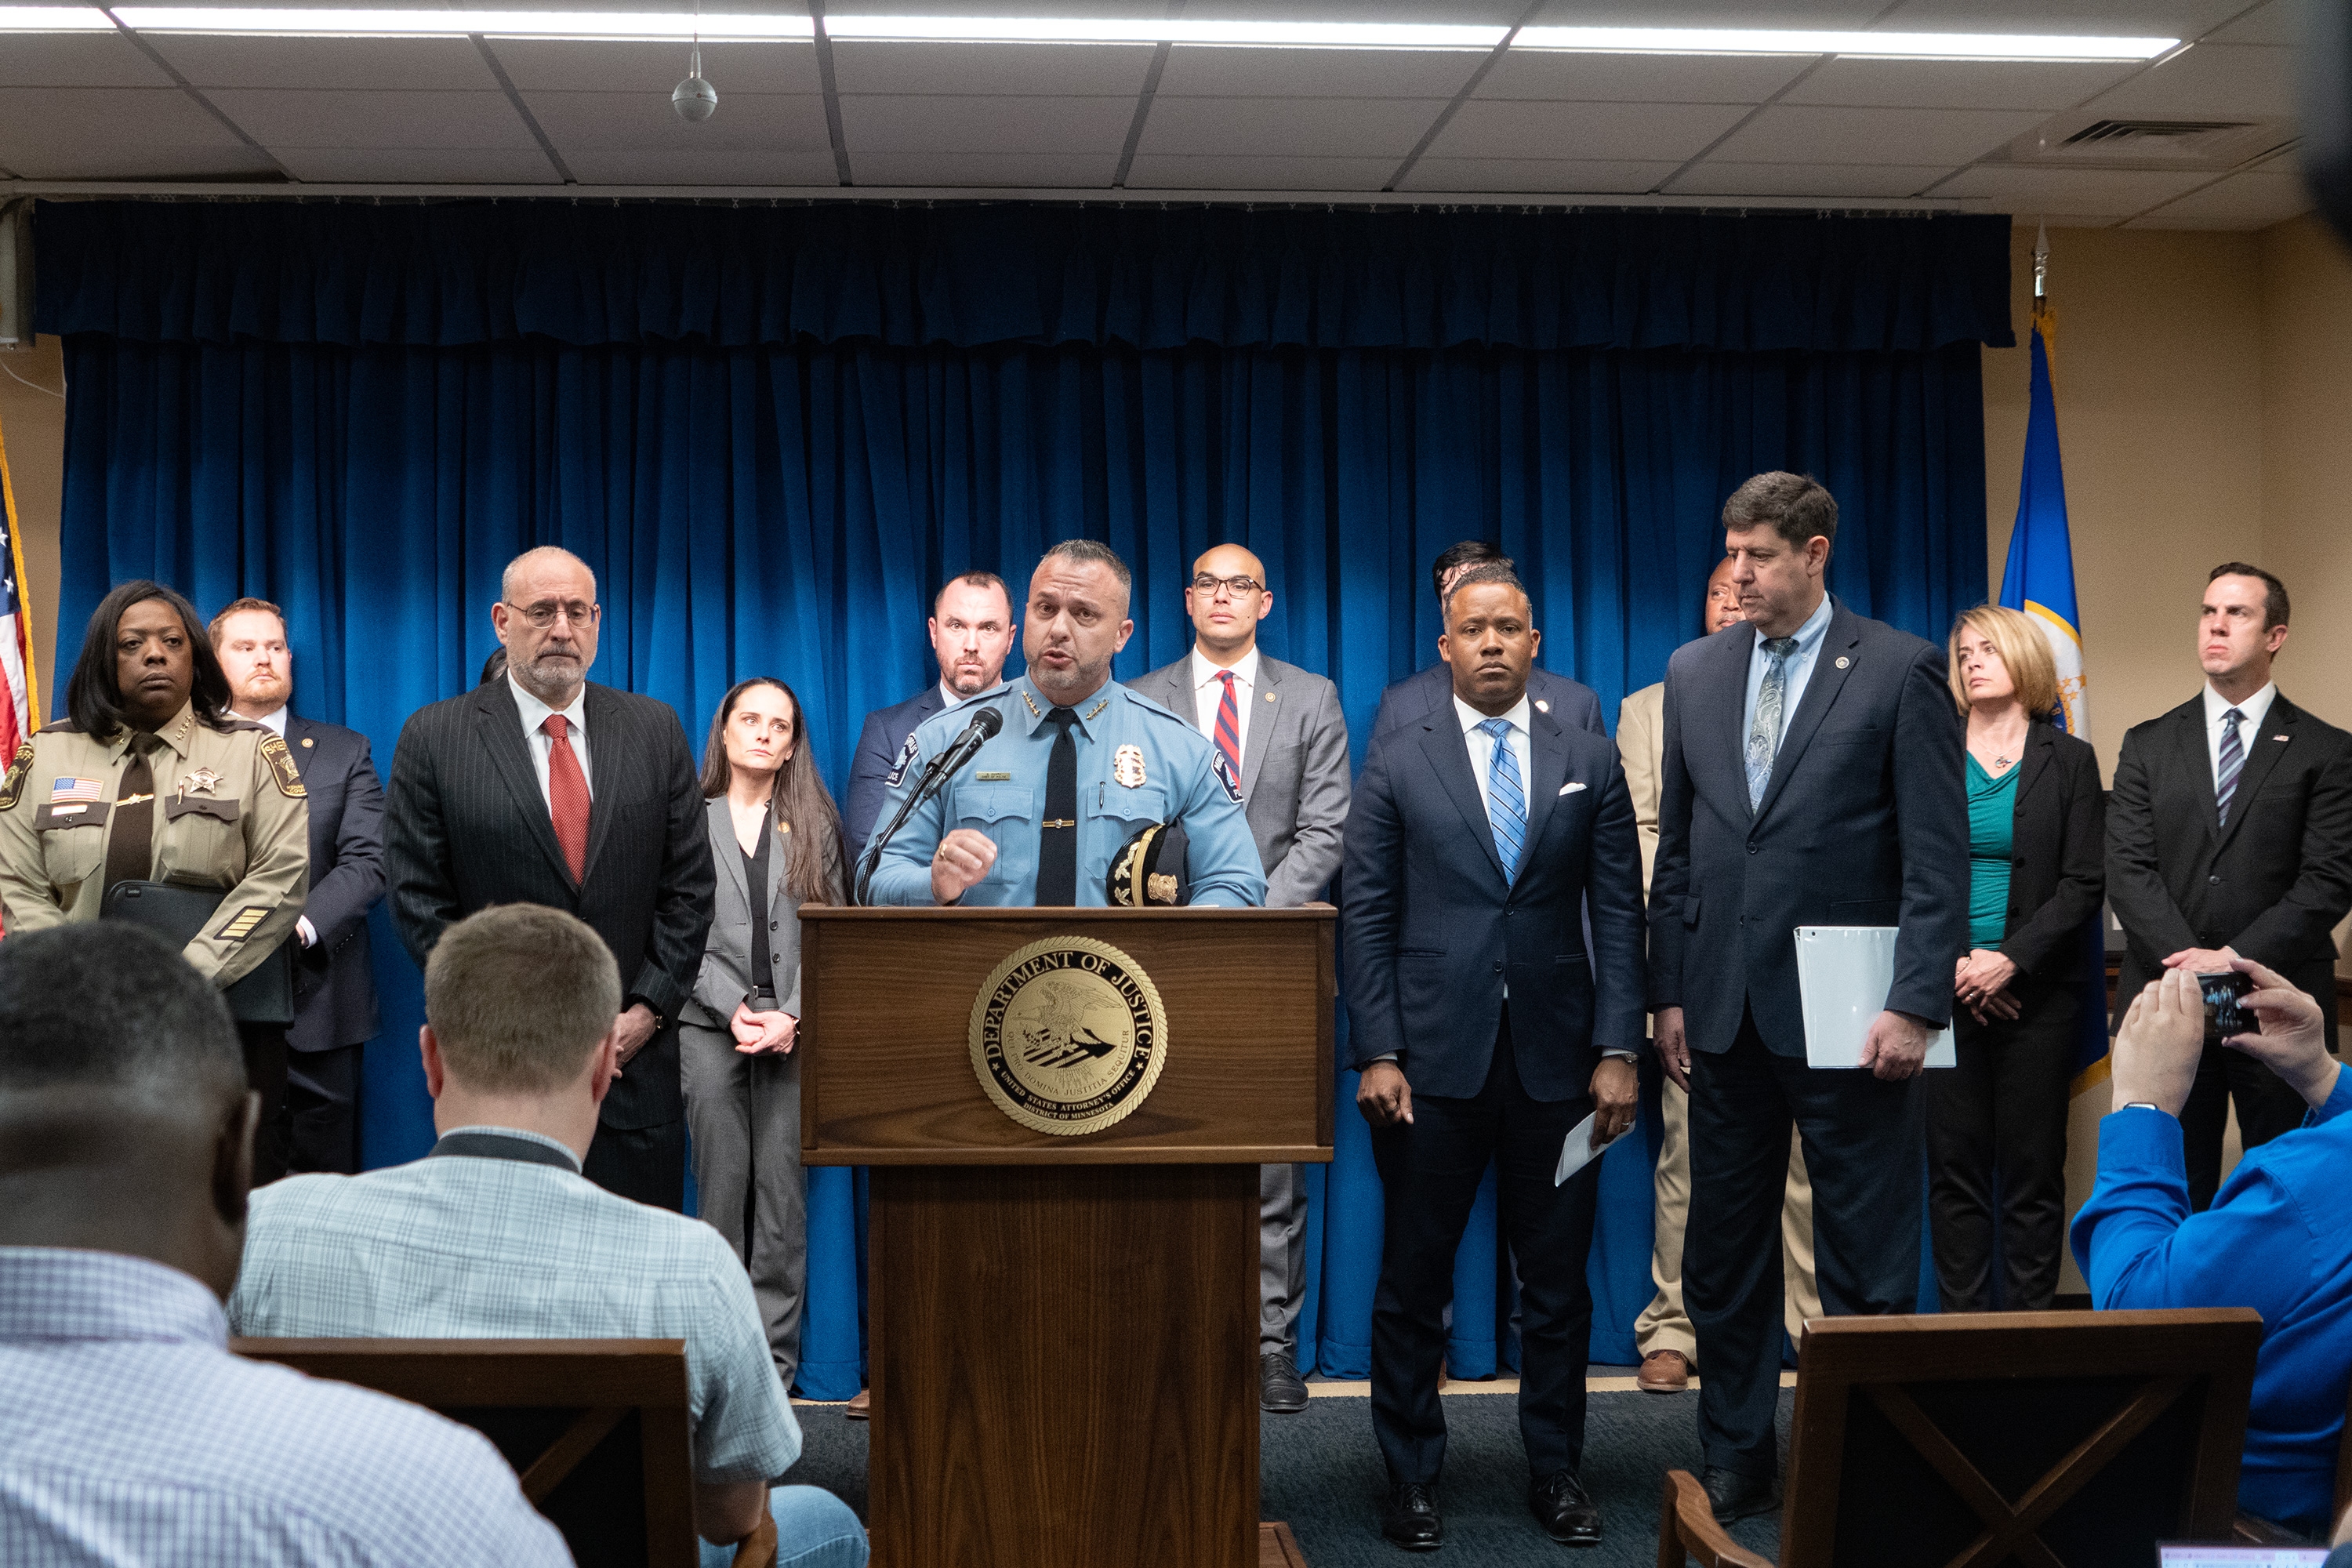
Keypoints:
(1997, 1124)
(776, 840)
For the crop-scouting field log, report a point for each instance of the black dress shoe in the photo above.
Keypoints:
(1565, 1510)
(1409, 1518)
(1279, 1388)
(1733, 1496)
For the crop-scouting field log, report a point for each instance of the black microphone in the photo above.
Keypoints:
(945, 766)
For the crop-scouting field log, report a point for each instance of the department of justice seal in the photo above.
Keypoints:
(1068, 1036)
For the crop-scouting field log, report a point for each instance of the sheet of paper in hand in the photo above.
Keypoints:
(1844, 973)
(1576, 1151)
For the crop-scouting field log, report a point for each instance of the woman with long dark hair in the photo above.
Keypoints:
(151, 779)
(776, 838)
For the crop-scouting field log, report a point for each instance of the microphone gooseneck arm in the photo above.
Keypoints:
(945, 766)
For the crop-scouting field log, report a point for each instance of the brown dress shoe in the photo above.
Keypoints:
(861, 1407)
(1664, 1371)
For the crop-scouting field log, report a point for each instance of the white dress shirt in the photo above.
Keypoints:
(276, 724)
(2256, 709)
(1208, 691)
(1800, 670)
(542, 744)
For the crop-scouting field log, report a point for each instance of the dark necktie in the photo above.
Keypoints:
(1057, 841)
(2233, 762)
(130, 839)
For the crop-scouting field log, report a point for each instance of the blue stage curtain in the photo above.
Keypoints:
(787, 508)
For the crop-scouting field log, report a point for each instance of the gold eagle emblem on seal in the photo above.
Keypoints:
(1068, 1036)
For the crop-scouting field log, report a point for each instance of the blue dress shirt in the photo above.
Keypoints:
(130, 1436)
(2279, 1239)
(1801, 670)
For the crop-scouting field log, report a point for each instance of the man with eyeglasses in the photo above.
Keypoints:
(1281, 733)
(543, 787)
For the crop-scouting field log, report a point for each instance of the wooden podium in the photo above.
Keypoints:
(1062, 1330)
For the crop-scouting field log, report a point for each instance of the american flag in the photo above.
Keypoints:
(20, 710)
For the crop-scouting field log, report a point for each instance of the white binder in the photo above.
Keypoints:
(1844, 973)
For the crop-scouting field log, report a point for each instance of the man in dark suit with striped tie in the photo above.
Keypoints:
(1484, 1030)
(2229, 833)
(546, 788)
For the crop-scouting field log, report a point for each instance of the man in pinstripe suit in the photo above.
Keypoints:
(546, 788)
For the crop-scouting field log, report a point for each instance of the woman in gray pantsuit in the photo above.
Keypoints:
(776, 838)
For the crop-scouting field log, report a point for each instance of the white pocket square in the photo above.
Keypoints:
(1570, 788)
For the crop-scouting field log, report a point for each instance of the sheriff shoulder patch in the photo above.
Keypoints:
(1224, 773)
(14, 784)
(898, 769)
(281, 762)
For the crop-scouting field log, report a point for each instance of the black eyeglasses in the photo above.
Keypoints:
(543, 614)
(1236, 587)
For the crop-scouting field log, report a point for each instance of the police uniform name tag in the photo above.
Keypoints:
(1068, 1036)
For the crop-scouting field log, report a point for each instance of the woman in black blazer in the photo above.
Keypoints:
(2036, 843)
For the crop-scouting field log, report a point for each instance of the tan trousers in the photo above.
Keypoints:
(1663, 1325)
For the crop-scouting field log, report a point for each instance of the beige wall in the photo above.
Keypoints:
(2307, 357)
(32, 429)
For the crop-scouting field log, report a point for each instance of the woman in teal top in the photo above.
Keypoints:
(1997, 1122)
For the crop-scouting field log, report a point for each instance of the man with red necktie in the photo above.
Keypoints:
(547, 788)
(1279, 729)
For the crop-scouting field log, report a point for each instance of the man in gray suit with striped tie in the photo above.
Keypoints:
(1281, 733)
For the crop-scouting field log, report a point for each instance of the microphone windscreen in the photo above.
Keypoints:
(988, 722)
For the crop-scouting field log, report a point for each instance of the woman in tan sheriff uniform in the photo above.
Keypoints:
(151, 779)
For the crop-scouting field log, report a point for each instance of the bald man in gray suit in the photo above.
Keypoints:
(1280, 730)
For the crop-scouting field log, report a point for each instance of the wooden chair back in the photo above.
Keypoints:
(596, 1429)
(2050, 1439)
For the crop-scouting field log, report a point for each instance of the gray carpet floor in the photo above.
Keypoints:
(1320, 1471)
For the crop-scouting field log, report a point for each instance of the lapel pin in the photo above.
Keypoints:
(1543, 704)
(1844, 661)
(306, 742)
(1269, 696)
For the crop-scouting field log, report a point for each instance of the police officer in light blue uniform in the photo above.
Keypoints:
(1018, 827)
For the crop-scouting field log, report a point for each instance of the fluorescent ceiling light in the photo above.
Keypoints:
(662, 24)
(53, 19)
(1101, 30)
(1883, 45)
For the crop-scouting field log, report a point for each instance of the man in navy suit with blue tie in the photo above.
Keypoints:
(1484, 1030)
(1810, 775)
(971, 630)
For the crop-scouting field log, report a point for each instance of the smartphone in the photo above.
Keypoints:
(2224, 1016)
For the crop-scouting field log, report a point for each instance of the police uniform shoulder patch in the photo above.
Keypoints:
(281, 763)
(14, 784)
(1224, 770)
(898, 769)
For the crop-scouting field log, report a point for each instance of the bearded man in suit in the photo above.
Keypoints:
(972, 628)
(547, 788)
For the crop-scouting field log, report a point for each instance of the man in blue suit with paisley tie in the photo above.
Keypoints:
(1485, 1029)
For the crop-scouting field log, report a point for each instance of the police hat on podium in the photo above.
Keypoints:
(1148, 872)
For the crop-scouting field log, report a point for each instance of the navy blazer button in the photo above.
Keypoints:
(2216, 880)
(775, 925)
(1751, 848)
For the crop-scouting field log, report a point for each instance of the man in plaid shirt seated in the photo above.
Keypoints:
(496, 1235)
(127, 1433)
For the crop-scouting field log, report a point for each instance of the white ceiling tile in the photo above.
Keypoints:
(1715, 178)
(559, 64)
(1285, 128)
(1956, 84)
(1128, 10)
(99, 132)
(1195, 172)
(1491, 13)
(1046, 71)
(2211, 81)
(2280, 22)
(75, 60)
(672, 166)
(2242, 201)
(2129, 18)
(2113, 193)
(582, 123)
(1212, 72)
(1054, 171)
(310, 117)
(1805, 133)
(1639, 78)
(2077, 220)
(419, 166)
(1710, 12)
(892, 124)
(211, 59)
(1609, 131)
(1559, 176)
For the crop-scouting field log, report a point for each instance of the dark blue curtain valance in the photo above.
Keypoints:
(972, 275)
